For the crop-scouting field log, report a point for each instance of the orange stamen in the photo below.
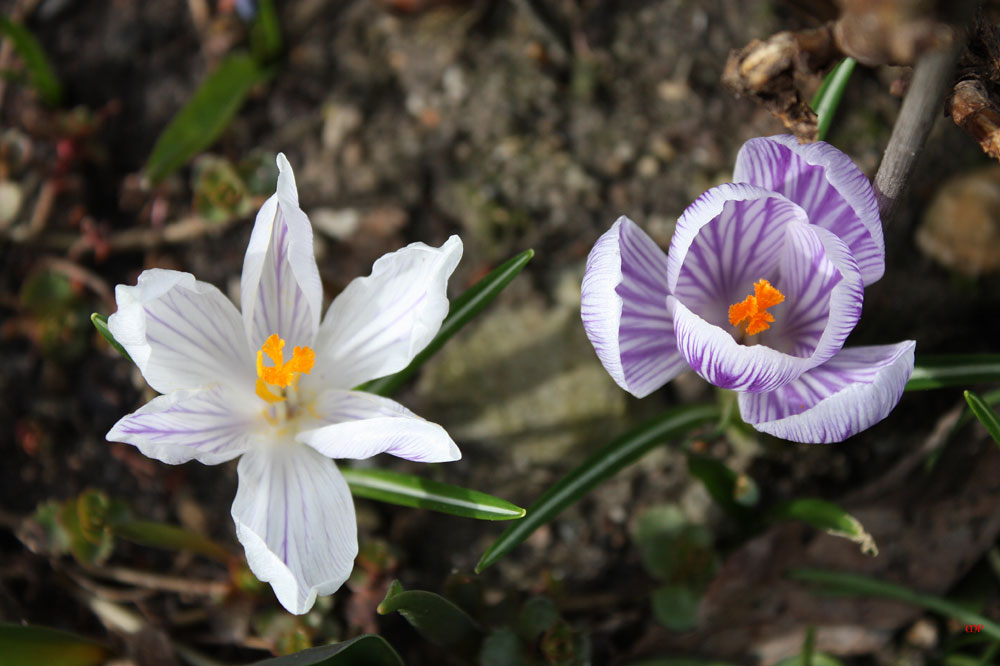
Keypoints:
(282, 373)
(753, 308)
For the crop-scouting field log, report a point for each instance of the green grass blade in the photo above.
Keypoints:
(826, 516)
(828, 97)
(22, 645)
(206, 115)
(600, 466)
(366, 650)
(985, 414)
(170, 537)
(933, 372)
(848, 583)
(438, 620)
(265, 33)
(462, 310)
(100, 322)
(40, 73)
(414, 491)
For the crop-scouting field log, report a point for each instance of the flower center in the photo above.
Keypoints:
(754, 307)
(282, 374)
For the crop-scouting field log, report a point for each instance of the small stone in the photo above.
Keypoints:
(339, 120)
(961, 229)
(11, 197)
(337, 224)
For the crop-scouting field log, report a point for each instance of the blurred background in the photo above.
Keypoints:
(515, 124)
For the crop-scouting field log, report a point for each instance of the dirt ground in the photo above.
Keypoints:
(513, 130)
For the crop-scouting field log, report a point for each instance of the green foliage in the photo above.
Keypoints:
(219, 192)
(827, 98)
(734, 492)
(538, 615)
(676, 607)
(22, 645)
(265, 33)
(942, 371)
(57, 313)
(463, 309)
(849, 583)
(40, 73)
(502, 648)
(985, 414)
(826, 516)
(415, 491)
(206, 115)
(100, 322)
(597, 468)
(169, 537)
(367, 650)
(438, 620)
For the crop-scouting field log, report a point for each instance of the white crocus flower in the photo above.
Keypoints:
(273, 385)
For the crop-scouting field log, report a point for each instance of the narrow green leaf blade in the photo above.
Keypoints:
(206, 115)
(415, 491)
(169, 537)
(985, 414)
(829, 517)
(828, 97)
(39, 70)
(31, 645)
(437, 619)
(265, 33)
(366, 650)
(933, 372)
(462, 311)
(849, 583)
(600, 466)
(101, 324)
(732, 491)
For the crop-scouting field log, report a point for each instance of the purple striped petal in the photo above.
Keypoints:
(182, 333)
(823, 295)
(729, 238)
(207, 425)
(280, 288)
(361, 425)
(295, 518)
(853, 391)
(379, 323)
(826, 183)
(623, 304)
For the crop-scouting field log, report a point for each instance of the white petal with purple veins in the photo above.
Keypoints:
(295, 518)
(207, 425)
(853, 391)
(182, 333)
(362, 425)
(827, 184)
(280, 290)
(379, 323)
(623, 307)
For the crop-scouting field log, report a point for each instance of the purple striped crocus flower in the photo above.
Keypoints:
(273, 384)
(761, 286)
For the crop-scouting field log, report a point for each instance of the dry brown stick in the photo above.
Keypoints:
(921, 107)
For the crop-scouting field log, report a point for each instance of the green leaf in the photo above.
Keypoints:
(817, 659)
(985, 414)
(933, 372)
(826, 516)
(734, 492)
(30, 646)
(206, 115)
(598, 467)
(502, 648)
(827, 98)
(101, 324)
(537, 616)
(43, 79)
(415, 491)
(672, 549)
(676, 607)
(366, 650)
(679, 661)
(170, 537)
(462, 310)
(265, 33)
(437, 619)
(848, 583)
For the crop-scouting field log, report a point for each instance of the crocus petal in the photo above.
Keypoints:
(623, 304)
(827, 184)
(380, 322)
(853, 391)
(280, 288)
(823, 291)
(362, 425)
(295, 518)
(182, 333)
(207, 425)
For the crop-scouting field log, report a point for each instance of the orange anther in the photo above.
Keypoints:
(754, 308)
(281, 374)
